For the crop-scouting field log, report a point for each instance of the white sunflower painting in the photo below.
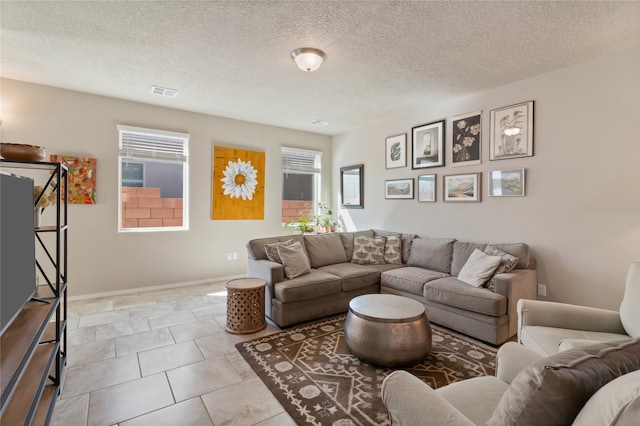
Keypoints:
(238, 184)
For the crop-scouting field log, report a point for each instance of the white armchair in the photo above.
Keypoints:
(550, 327)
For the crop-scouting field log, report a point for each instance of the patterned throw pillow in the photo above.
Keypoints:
(393, 250)
(272, 250)
(368, 251)
(507, 263)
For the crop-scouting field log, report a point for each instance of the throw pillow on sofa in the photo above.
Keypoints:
(479, 267)
(553, 390)
(271, 250)
(294, 260)
(368, 250)
(507, 264)
(325, 249)
(393, 250)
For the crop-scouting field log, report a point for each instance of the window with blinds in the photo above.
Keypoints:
(300, 183)
(153, 180)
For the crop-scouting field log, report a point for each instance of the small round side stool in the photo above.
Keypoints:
(245, 305)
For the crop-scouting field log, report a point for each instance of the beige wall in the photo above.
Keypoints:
(581, 213)
(101, 259)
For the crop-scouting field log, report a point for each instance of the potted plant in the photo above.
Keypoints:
(324, 219)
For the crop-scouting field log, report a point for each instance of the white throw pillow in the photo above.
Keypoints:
(479, 268)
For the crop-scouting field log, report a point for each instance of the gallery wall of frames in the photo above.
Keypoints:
(510, 136)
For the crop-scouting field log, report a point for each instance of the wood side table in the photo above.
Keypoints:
(245, 305)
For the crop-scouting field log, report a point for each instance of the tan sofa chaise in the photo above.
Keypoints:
(590, 385)
(424, 269)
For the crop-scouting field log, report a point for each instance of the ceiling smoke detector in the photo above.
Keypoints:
(163, 91)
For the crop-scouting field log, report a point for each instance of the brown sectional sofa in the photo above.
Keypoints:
(427, 273)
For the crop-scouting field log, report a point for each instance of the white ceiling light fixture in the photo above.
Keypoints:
(308, 59)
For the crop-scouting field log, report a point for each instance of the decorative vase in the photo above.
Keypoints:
(36, 217)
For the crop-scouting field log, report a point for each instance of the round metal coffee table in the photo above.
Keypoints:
(387, 330)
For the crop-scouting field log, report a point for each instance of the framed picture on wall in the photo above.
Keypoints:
(427, 188)
(398, 189)
(506, 183)
(396, 151)
(466, 148)
(461, 188)
(511, 132)
(427, 143)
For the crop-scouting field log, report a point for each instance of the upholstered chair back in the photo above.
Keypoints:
(630, 306)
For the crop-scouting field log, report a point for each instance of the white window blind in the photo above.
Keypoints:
(153, 144)
(300, 161)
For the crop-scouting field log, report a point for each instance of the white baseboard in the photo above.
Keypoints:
(151, 288)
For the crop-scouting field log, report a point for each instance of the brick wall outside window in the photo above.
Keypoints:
(144, 208)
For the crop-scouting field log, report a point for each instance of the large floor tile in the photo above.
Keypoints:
(143, 341)
(282, 419)
(121, 402)
(167, 320)
(191, 412)
(132, 300)
(218, 344)
(89, 377)
(91, 352)
(202, 377)
(103, 318)
(210, 311)
(195, 330)
(78, 336)
(122, 328)
(147, 311)
(71, 411)
(241, 366)
(190, 302)
(89, 306)
(245, 403)
(169, 357)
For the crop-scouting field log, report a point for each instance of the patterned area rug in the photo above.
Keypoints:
(310, 370)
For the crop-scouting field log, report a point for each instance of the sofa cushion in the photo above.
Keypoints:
(368, 250)
(294, 260)
(432, 253)
(255, 247)
(325, 249)
(461, 252)
(347, 241)
(353, 276)
(519, 250)
(271, 250)
(409, 279)
(479, 267)
(618, 402)
(555, 389)
(451, 291)
(309, 286)
(393, 250)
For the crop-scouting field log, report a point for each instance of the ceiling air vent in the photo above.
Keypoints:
(163, 91)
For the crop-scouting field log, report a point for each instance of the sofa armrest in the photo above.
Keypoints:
(271, 272)
(515, 285)
(411, 402)
(562, 315)
(513, 358)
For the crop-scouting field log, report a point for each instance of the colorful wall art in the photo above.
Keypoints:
(238, 184)
(81, 178)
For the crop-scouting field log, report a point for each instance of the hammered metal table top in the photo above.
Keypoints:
(386, 308)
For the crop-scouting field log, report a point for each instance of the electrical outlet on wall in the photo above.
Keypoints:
(542, 289)
(229, 256)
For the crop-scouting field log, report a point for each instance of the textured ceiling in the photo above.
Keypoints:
(232, 58)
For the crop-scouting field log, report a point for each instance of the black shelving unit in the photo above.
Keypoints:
(33, 348)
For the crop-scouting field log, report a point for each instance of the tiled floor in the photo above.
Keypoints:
(161, 358)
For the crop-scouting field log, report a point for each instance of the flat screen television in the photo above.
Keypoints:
(17, 246)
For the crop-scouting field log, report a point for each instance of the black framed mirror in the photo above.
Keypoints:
(352, 187)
